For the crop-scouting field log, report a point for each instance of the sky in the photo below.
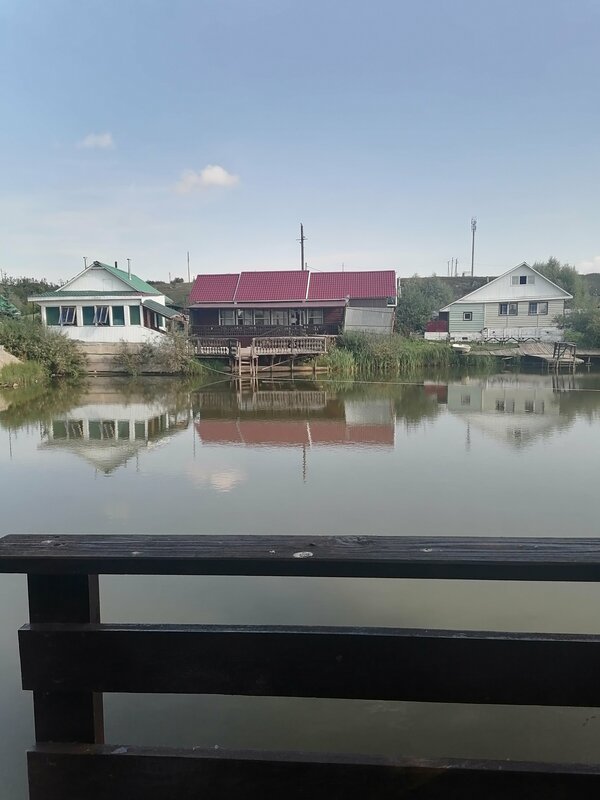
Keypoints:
(144, 129)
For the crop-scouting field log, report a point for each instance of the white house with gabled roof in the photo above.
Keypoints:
(106, 304)
(521, 304)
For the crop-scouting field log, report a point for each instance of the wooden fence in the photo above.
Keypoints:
(69, 659)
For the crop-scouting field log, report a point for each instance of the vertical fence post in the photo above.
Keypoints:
(66, 716)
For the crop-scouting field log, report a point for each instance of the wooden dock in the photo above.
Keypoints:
(69, 659)
(272, 350)
(557, 355)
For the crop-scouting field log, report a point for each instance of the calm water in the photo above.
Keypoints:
(497, 456)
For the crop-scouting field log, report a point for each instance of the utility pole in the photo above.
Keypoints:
(302, 240)
(188, 259)
(456, 267)
(473, 229)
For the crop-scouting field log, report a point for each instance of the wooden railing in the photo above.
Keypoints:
(251, 331)
(289, 345)
(69, 659)
(206, 346)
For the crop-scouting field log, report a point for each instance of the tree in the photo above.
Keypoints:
(565, 276)
(420, 299)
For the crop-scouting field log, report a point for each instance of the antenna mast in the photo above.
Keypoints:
(302, 239)
(188, 259)
(129, 268)
(473, 229)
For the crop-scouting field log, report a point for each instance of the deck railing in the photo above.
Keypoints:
(69, 659)
(289, 345)
(252, 331)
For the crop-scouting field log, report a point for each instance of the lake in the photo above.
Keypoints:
(457, 455)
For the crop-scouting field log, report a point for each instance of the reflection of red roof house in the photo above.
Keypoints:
(439, 390)
(257, 302)
(293, 433)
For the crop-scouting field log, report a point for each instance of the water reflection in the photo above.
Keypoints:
(296, 417)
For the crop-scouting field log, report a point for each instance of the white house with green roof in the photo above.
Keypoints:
(106, 304)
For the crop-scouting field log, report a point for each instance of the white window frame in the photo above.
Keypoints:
(71, 319)
(467, 316)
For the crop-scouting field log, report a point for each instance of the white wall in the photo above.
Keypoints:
(96, 279)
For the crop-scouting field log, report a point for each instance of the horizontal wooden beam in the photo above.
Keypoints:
(531, 559)
(373, 663)
(100, 772)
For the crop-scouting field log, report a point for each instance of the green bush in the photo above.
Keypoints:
(30, 341)
(171, 354)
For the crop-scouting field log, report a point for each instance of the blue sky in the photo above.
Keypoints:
(145, 129)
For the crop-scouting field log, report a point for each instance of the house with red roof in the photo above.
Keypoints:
(292, 303)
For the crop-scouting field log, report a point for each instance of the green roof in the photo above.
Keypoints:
(169, 313)
(137, 284)
(7, 309)
(59, 295)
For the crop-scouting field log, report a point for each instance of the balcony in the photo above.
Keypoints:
(254, 331)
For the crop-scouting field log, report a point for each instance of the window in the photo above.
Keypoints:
(279, 316)
(467, 316)
(315, 316)
(68, 315)
(246, 317)
(123, 429)
(53, 315)
(134, 315)
(500, 406)
(505, 309)
(542, 308)
(101, 315)
(262, 316)
(529, 406)
(88, 315)
(227, 316)
(118, 315)
(465, 399)
(522, 280)
(533, 309)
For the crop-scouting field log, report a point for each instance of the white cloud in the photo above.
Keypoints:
(591, 265)
(212, 175)
(97, 141)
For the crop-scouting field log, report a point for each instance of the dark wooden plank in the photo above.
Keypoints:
(362, 556)
(103, 773)
(75, 715)
(373, 663)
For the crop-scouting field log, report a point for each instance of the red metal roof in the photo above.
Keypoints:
(280, 285)
(292, 286)
(338, 285)
(214, 288)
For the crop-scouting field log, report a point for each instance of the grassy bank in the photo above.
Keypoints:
(365, 354)
(371, 354)
(27, 373)
(56, 355)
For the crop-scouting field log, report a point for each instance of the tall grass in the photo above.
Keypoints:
(26, 373)
(371, 354)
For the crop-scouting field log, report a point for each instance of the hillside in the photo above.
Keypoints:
(177, 292)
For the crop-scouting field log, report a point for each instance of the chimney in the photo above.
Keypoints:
(116, 267)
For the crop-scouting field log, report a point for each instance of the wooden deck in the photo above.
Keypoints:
(559, 354)
(246, 360)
